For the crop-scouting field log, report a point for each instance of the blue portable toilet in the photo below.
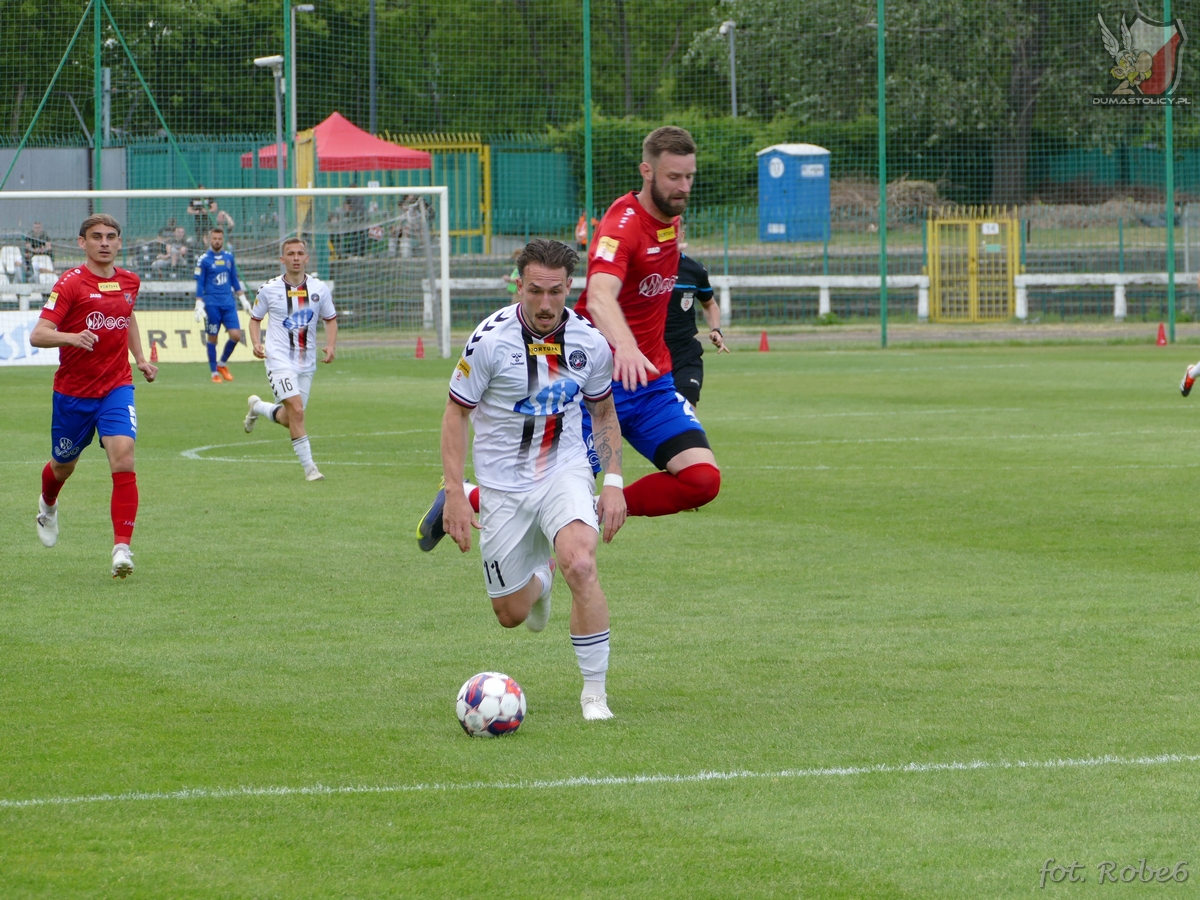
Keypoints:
(793, 193)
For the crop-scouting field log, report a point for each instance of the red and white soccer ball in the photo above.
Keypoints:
(490, 704)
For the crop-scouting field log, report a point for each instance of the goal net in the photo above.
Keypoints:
(385, 251)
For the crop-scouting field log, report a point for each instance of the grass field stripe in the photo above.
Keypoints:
(602, 780)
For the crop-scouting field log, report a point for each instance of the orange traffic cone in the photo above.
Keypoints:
(1162, 335)
(420, 348)
(153, 352)
(763, 346)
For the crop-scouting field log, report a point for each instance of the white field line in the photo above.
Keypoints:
(194, 452)
(599, 781)
(939, 438)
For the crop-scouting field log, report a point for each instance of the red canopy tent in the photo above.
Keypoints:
(344, 147)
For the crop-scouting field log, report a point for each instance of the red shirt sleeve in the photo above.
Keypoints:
(58, 304)
(613, 246)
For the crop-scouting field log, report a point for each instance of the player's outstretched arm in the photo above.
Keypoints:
(712, 315)
(46, 335)
(330, 348)
(148, 369)
(606, 436)
(457, 516)
(630, 366)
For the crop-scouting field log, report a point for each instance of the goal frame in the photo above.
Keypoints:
(442, 192)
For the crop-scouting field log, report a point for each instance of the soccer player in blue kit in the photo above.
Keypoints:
(216, 283)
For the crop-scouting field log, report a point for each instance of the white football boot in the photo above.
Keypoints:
(539, 613)
(47, 523)
(251, 415)
(313, 474)
(595, 707)
(122, 561)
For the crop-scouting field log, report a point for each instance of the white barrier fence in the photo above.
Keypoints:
(1117, 280)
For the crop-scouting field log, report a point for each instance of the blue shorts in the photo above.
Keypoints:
(653, 419)
(220, 313)
(77, 419)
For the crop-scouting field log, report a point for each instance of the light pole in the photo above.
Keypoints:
(729, 28)
(304, 8)
(275, 64)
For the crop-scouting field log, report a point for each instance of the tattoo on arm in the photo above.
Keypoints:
(607, 444)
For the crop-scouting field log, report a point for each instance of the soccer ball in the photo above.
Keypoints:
(490, 704)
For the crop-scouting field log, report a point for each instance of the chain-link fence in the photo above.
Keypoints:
(1058, 116)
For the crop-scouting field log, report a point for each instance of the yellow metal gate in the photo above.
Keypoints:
(972, 260)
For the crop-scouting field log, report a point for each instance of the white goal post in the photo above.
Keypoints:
(28, 203)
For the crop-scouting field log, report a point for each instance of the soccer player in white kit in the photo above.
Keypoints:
(292, 303)
(521, 380)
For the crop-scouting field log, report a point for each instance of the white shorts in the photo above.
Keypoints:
(518, 529)
(286, 383)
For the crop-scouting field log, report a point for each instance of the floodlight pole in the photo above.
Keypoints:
(275, 64)
(728, 28)
(881, 101)
(1170, 161)
(97, 103)
(374, 122)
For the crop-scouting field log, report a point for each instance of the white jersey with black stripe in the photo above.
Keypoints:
(291, 312)
(525, 390)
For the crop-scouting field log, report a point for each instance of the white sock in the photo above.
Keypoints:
(592, 652)
(1194, 371)
(547, 579)
(263, 408)
(303, 451)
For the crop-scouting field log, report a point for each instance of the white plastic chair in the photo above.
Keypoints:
(43, 268)
(6, 298)
(10, 258)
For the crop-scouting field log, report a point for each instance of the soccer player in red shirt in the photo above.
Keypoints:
(632, 267)
(89, 317)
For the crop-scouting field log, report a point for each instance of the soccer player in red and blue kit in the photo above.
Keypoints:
(632, 267)
(89, 318)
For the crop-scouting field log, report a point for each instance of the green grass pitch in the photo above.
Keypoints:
(928, 557)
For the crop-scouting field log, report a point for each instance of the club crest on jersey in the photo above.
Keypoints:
(545, 349)
(108, 286)
(577, 359)
(299, 319)
(129, 298)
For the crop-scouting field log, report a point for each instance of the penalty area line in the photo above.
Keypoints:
(321, 790)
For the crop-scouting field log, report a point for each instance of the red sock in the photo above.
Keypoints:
(50, 486)
(663, 494)
(124, 506)
(473, 498)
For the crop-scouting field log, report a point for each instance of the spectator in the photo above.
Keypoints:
(200, 209)
(37, 243)
(175, 255)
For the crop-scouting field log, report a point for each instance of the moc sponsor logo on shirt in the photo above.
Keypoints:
(545, 349)
(97, 321)
(653, 285)
(66, 449)
(606, 249)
